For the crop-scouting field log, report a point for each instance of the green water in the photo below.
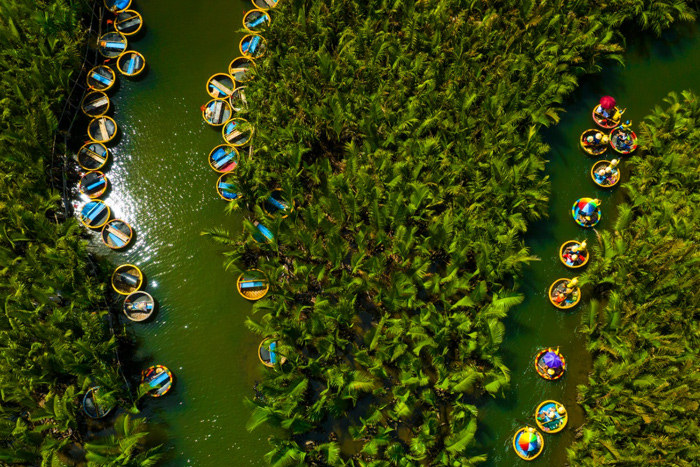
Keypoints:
(163, 186)
(653, 69)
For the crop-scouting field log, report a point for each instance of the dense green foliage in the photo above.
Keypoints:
(407, 135)
(643, 396)
(54, 339)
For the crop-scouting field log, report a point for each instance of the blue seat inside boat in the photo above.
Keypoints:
(273, 355)
(253, 44)
(116, 240)
(101, 79)
(158, 380)
(251, 285)
(132, 65)
(97, 184)
(94, 211)
(227, 186)
(115, 45)
(129, 279)
(229, 195)
(257, 21)
(218, 154)
(276, 203)
(220, 163)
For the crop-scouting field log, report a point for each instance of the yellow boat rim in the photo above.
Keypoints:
(550, 374)
(101, 78)
(92, 156)
(252, 284)
(216, 112)
(221, 86)
(239, 67)
(95, 214)
(603, 177)
(139, 306)
(128, 22)
(117, 234)
(528, 443)
(571, 248)
(610, 122)
(226, 189)
(594, 142)
(117, 5)
(267, 353)
(557, 291)
(223, 158)
(551, 417)
(126, 279)
(265, 4)
(131, 63)
(102, 129)
(237, 132)
(272, 204)
(252, 45)
(93, 184)
(95, 104)
(159, 379)
(256, 20)
(112, 44)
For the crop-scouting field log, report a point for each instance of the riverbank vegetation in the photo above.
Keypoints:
(643, 396)
(54, 338)
(407, 135)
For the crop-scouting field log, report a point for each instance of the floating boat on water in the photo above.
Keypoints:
(216, 112)
(221, 86)
(238, 100)
(606, 114)
(252, 284)
(256, 20)
(112, 44)
(265, 4)
(268, 353)
(101, 78)
(226, 189)
(605, 174)
(127, 279)
(237, 132)
(157, 380)
(564, 293)
(93, 406)
(276, 204)
(594, 142)
(223, 158)
(92, 156)
(623, 140)
(263, 234)
(128, 22)
(253, 46)
(131, 63)
(551, 416)
(586, 212)
(528, 443)
(94, 214)
(95, 104)
(139, 306)
(117, 5)
(240, 68)
(117, 234)
(93, 184)
(573, 254)
(550, 364)
(102, 129)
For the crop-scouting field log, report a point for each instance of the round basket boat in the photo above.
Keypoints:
(256, 20)
(127, 279)
(102, 129)
(564, 297)
(623, 141)
(117, 234)
(607, 122)
(528, 443)
(131, 63)
(238, 100)
(112, 44)
(594, 142)
(551, 417)
(128, 22)
(252, 284)
(117, 5)
(139, 306)
(93, 184)
(262, 234)
(221, 86)
(157, 380)
(95, 104)
(265, 4)
(216, 112)
(94, 214)
(240, 68)
(584, 214)
(277, 205)
(101, 78)
(92, 156)
(226, 188)
(252, 45)
(603, 177)
(267, 353)
(237, 132)
(223, 158)
(573, 248)
(550, 364)
(92, 406)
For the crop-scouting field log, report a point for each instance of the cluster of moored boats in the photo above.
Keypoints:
(127, 279)
(564, 293)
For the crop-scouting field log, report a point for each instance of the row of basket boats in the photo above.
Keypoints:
(127, 279)
(565, 293)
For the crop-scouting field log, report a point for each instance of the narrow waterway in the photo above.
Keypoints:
(653, 69)
(162, 185)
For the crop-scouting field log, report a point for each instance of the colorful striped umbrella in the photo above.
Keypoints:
(587, 206)
(529, 442)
